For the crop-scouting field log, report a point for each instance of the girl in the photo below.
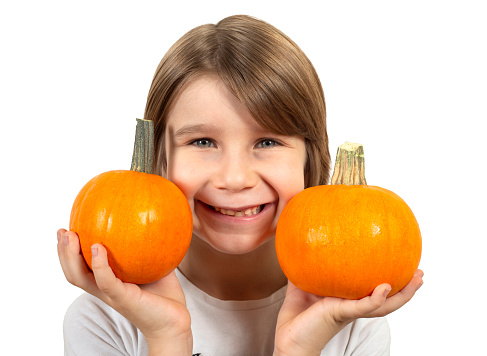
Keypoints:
(239, 116)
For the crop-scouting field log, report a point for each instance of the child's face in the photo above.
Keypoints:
(236, 176)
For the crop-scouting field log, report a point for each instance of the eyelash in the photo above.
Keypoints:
(275, 142)
(196, 142)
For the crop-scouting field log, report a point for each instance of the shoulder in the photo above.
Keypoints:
(95, 328)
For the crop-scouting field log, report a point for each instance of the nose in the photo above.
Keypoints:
(235, 172)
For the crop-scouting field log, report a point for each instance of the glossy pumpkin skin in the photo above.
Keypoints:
(143, 220)
(345, 240)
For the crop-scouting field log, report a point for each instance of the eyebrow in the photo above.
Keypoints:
(196, 128)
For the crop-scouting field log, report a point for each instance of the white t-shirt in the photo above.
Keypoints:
(220, 328)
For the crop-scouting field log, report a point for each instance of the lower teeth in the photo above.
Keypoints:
(240, 213)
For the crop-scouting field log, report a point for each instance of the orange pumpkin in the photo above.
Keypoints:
(343, 240)
(143, 220)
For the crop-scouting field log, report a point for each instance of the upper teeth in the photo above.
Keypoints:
(246, 212)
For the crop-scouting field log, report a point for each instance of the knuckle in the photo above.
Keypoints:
(104, 287)
(377, 303)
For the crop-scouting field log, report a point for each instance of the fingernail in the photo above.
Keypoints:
(94, 251)
(66, 239)
(386, 292)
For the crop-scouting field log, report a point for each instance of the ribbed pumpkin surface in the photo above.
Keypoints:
(345, 240)
(143, 220)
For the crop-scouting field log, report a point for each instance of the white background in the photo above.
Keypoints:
(405, 79)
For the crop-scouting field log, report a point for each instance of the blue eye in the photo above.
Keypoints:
(267, 143)
(203, 143)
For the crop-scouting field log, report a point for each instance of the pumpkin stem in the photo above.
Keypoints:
(349, 165)
(143, 147)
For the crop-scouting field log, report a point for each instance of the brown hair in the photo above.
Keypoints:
(263, 68)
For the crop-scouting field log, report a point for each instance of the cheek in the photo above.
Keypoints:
(287, 179)
(186, 176)
(291, 178)
(290, 182)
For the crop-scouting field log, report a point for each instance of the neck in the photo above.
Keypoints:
(250, 276)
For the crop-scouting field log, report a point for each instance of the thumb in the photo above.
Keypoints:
(369, 304)
(107, 282)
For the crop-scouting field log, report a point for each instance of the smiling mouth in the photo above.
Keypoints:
(247, 212)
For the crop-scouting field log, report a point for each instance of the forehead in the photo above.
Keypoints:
(205, 102)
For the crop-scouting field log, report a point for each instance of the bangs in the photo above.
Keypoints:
(263, 68)
(267, 75)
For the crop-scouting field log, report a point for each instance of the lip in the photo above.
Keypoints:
(209, 211)
(242, 208)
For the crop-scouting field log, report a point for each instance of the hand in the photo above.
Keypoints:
(307, 322)
(157, 309)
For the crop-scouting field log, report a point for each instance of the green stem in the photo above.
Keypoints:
(143, 147)
(349, 165)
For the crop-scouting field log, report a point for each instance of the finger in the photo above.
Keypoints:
(61, 251)
(419, 273)
(60, 233)
(60, 247)
(365, 306)
(402, 297)
(113, 289)
(68, 250)
(73, 263)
